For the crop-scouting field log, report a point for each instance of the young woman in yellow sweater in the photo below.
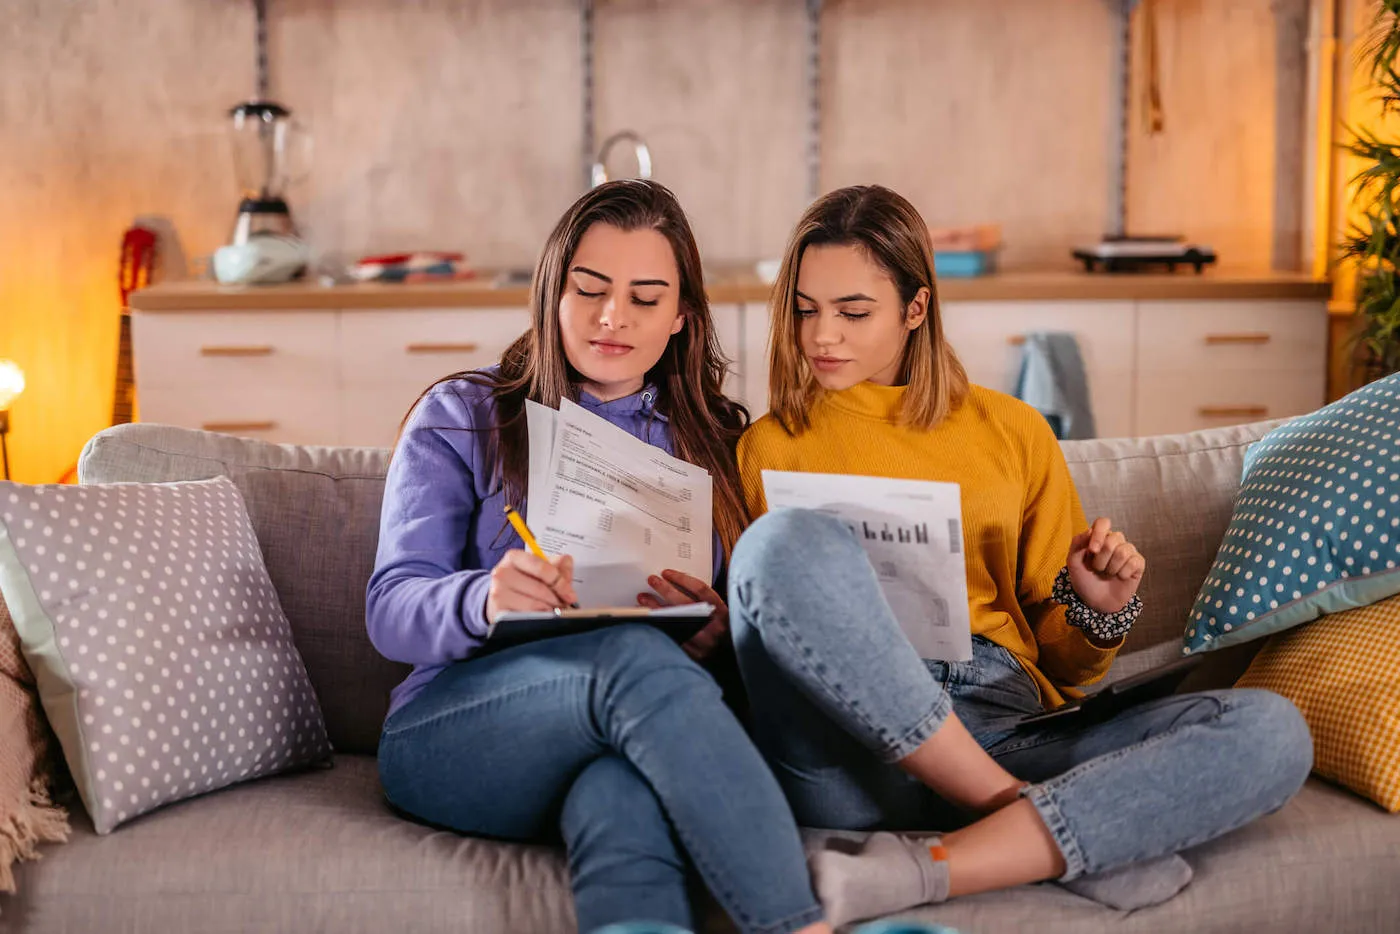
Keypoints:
(862, 732)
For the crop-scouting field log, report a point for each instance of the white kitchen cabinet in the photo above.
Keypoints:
(269, 375)
(754, 385)
(1204, 364)
(1233, 336)
(234, 349)
(389, 356)
(348, 376)
(988, 338)
(310, 377)
(729, 328)
(370, 416)
(414, 347)
(1170, 403)
(293, 415)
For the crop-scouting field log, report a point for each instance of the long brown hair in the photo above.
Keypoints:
(705, 425)
(891, 232)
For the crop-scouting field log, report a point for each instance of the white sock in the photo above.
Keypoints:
(886, 873)
(1137, 885)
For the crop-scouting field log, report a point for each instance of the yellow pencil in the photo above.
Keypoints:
(523, 531)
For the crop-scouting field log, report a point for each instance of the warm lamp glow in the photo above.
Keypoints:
(11, 383)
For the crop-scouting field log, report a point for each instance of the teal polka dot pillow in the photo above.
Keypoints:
(1316, 528)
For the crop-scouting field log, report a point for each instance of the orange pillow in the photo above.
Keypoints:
(1343, 673)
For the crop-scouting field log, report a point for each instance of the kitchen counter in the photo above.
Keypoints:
(731, 287)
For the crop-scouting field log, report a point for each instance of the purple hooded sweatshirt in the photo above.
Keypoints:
(443, 528)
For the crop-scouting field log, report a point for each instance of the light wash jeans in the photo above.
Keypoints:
(618, 741)
(838, 695)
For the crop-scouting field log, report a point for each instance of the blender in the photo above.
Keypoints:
(265, 246)
(263, 136)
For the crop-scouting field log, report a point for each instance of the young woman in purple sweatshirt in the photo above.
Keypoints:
(617, 740)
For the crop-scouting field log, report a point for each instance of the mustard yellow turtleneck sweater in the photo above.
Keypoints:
(1019, 508)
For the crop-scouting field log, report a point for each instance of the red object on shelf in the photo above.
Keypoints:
(394, 259)
(137, 259)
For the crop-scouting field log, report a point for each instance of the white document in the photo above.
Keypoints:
(912, 532)
(540, 421)
(623, 508)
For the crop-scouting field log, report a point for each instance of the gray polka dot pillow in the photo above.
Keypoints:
(1316, 527)
(163, 659)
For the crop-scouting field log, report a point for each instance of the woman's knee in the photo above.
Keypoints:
(790, 558)
(789, 542)
(1272, 737)
(631, 651)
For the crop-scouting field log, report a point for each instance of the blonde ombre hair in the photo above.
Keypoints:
(891, 232)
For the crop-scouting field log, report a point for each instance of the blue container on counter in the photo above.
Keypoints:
(963, 264)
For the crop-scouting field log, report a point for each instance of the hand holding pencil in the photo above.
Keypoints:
(526, 579)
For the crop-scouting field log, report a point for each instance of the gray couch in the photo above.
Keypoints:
(320, 851)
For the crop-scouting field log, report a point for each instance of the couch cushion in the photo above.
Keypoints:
(321, 852)
(1343, 673)
(1172, 496)
(160, 650)
(316, 514)
(1316, 528)
(317, 851)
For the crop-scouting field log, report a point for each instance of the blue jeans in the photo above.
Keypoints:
(838, 695)
(620, 743)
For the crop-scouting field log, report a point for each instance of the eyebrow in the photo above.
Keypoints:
(844, 299)
(608, 279)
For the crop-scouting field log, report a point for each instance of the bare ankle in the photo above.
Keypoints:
(1002, 797)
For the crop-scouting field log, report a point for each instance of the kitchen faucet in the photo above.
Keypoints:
(639, 147)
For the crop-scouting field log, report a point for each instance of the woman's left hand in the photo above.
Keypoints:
(677, 588)
(1104, 567)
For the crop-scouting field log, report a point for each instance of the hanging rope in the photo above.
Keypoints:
(1152, 118)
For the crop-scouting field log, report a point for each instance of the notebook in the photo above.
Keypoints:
(516, 627)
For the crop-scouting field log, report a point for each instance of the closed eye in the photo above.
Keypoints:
(646, 304)
(587, 294)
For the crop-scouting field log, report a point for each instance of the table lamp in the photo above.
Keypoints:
(11, 385)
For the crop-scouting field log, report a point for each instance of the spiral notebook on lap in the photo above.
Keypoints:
(513, 628)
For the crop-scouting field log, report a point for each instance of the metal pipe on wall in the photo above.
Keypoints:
(1291, 189)
(585, 32)
(814, 98)
(1120, 81)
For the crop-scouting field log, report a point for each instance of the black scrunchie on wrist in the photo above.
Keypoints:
(1105, 627)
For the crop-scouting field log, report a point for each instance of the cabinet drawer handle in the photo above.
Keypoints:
(1218, 339)
(441, 348)
(1233, 411)
(232, 427)
(261, 350)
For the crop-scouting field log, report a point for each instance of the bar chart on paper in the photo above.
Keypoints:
(911, 531)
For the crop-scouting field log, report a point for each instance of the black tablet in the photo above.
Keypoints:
(1127, 692)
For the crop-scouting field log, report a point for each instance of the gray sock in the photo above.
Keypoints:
(855, 880)
(1137, 885)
